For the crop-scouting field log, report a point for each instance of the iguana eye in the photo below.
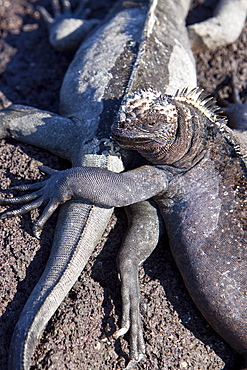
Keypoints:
(159, 115)
(150, 120)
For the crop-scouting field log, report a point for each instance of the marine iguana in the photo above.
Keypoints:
(64, 149)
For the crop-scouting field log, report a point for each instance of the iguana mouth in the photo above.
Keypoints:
(130, 141)
(147, 147)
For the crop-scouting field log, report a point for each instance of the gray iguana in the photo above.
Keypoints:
(136, 31)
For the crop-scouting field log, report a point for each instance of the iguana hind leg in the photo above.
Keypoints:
(140, 240)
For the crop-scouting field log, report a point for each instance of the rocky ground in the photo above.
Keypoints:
(176, 335)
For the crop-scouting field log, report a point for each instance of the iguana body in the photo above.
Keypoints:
(80, 126)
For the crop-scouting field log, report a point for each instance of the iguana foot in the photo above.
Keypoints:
(236, 111)
(67, 29)
(50, 193)
(133, 363)
(131, 317)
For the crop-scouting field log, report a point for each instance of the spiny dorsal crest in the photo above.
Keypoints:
(209, 109)
(206, 105)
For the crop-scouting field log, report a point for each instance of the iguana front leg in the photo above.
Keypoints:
(37, 127)
(107, 189)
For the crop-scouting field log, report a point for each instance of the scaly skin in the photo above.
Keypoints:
(84, 112)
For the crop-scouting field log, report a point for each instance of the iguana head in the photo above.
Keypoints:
(165, 129)
(146, 122)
